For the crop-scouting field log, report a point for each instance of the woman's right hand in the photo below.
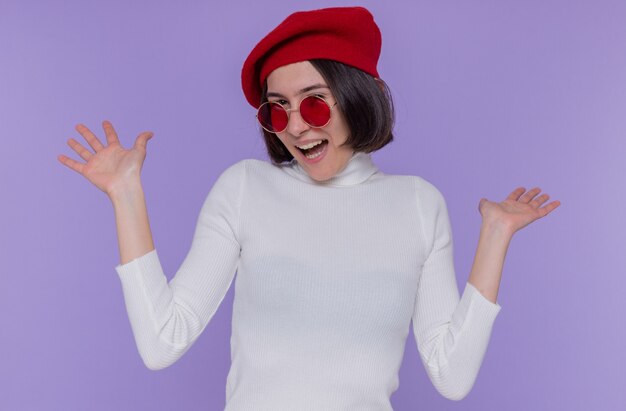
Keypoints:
(110, 168)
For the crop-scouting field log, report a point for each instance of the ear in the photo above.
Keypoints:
(380, 83)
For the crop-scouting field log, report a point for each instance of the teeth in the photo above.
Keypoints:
(312, 156)
(313, 144)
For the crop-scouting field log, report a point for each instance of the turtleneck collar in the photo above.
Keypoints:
(359, 168)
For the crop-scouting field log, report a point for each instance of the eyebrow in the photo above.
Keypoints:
(304, 90)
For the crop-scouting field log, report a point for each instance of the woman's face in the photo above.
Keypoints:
(288, 85)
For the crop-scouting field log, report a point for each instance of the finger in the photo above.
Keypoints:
(142, 139)
(79, 149)
(73, 164)
(529, 195)
(548, 208)
(515, 194)
(110, 132)
(539, 200)
(90, 137)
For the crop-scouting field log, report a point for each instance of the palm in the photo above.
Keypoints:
(110, 166)
(518, 210)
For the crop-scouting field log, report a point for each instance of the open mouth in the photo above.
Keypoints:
(314, 151)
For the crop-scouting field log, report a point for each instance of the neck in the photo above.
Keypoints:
(358, 169)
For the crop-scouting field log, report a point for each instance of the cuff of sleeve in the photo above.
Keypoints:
(475, 308)
(143, 273)
(480, 305)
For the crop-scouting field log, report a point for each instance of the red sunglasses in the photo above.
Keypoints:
(314, 110)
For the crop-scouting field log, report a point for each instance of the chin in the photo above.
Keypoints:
(321, 179)
(330, 164)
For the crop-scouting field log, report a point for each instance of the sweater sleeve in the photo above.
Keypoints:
(451, 333)
(166, 319)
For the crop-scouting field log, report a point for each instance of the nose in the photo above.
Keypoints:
(296, 125)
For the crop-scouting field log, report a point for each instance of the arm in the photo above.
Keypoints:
(452, 334)
(166, 319)
(131, 219)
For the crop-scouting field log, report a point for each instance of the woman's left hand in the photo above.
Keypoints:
(518, 210)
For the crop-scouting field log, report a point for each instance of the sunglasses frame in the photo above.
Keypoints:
(289, 110)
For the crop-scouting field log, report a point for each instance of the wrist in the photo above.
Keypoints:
(126, 192)
(497, 228)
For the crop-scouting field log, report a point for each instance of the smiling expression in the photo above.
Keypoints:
(288, 85)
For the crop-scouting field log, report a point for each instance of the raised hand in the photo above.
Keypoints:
(111, 167)
(518, 210)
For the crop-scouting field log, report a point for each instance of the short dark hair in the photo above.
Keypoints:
(365, 102)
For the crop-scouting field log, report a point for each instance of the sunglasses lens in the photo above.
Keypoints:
(315, 111)
(273, 117)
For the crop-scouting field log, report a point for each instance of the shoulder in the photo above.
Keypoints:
(426, 192)
(241, 168)
(247, 173)
(250, 165)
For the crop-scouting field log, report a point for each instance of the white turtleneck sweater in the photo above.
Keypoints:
(329, 277)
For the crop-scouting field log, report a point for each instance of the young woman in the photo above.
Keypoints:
(334, 258)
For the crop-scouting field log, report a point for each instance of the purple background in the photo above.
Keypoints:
(489, 95)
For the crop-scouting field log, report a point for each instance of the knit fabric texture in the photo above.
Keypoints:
(329, 278)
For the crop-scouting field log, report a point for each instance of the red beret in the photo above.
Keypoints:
(348, 35)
